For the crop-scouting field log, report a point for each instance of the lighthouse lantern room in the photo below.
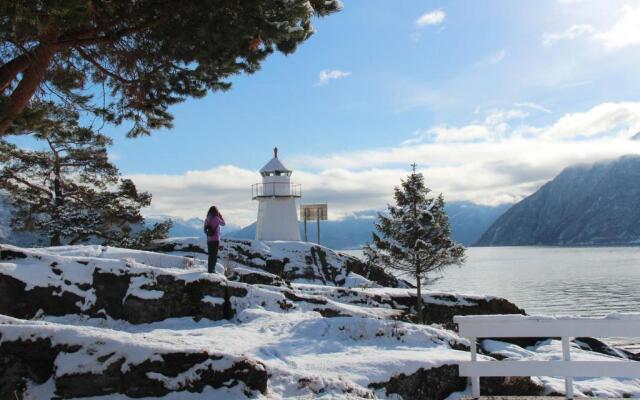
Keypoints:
(276, 196)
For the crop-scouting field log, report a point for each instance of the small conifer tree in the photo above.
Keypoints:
(415, 237)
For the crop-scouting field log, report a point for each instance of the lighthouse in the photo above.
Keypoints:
(276, 196)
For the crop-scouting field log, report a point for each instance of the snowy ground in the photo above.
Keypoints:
(305, 354)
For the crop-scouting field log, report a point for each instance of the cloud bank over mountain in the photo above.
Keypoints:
(499, 157)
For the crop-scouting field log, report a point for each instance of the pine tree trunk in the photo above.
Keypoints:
(419, 300)
(10, 70)
(56, 239)
(31, 79)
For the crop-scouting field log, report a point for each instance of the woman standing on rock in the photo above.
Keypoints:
(212, 225)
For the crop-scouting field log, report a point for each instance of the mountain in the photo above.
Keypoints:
(181, 227)
(192, 227)
(349, 233)
(596, 204)
(468, 222)
(7, 235)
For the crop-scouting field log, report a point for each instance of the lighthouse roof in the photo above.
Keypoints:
(274, 165)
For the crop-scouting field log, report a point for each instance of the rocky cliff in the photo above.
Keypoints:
(594, 204)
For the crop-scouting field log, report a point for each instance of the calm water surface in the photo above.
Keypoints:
(590, 281)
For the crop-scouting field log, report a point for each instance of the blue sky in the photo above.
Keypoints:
(402, 78)
(490, 97)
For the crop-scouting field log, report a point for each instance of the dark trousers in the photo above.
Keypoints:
(212, 248)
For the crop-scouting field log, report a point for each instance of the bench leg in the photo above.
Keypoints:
(475, 387)
(475, 380)
(568, 383)
(566, 356)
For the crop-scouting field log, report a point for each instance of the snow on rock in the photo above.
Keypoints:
(116, 283)
(439, 307)
(87, 361)
(551, 350)
(292, 261)
(109, 323)
(86, 280)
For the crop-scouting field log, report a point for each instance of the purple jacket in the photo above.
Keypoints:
(214, 223)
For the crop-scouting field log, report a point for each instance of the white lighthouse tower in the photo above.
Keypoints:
(276, 195)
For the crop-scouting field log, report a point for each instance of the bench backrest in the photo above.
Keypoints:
(497, 326)
(505, 326)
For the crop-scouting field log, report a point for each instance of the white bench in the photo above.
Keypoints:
(506, 326)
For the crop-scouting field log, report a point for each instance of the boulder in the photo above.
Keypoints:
(120, 289)
(291, 261)
(434, 383)
(439, 307)
(94, 362)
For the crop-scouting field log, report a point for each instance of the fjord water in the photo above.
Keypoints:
(588, 281)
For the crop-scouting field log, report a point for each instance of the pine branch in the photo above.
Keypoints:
(102, 69)
(29, 184)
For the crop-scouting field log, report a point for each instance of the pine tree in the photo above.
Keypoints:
(143, 55)
(415, 237)
(68, 191)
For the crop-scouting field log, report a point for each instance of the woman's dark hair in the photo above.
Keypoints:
(213, 210)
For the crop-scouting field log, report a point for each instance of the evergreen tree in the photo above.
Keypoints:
(69, 191)
(415, 238)
(143, 55)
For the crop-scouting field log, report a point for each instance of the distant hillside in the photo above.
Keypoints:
(7, 235)
(595, 204)
(468, 222)
(349, 233)
(181, 228)
(188, 227)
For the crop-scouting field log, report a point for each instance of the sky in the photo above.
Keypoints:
(491, 98)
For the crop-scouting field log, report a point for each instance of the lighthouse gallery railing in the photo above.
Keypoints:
(276, 189)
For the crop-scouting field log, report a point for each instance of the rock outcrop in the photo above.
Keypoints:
(92, 284)
(434, 383)
(84, 321)
(119, 289)
(293, 262)
(84, 362)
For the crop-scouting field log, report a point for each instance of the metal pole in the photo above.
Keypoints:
(305, 224)
(318, 221)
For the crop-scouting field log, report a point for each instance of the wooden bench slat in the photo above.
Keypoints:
(529, 327)
(613, 369)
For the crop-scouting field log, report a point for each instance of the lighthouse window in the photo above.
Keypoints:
(276, 173)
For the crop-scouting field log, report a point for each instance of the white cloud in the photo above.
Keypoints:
(474, 162)
(571, 33)
(624, 33)
(327, 75)
(568, 2)
(534, 106)
(495, 123)
(435, 17)
(445, 133)
(497, 56)
(607, 119)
